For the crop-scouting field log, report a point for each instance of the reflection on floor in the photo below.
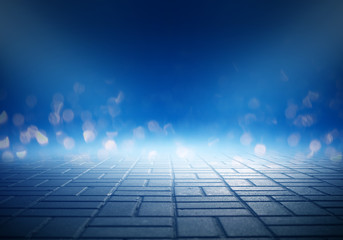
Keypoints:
(212, 196)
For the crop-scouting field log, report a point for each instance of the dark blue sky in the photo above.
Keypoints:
(206, 67)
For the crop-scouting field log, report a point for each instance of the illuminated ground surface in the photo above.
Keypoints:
(212, 196)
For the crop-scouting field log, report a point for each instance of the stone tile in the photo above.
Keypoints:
(244, 227)
(128, 232)
(188, 191)
(118, 209)
(213, 212)
(268, 208)
(203, 205)
(132, 221)
(156, 209)
(62, 227)
(20, 227)
(304, 208)
(197, 227)
(209, 191)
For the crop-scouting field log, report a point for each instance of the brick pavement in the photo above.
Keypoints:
(214, 196)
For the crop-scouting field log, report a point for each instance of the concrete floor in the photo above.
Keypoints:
(214, 196)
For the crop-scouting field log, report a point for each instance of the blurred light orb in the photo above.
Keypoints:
(154, 127)
(31, 101)
(328, 138)
(88, 125)
(168, 129)
(304, 121)
(246, 139)
(333, 154)
(260, 149)
(254, 103)
(152, 155)
(7, 156)
(68, 115)
(3, 117)
(68, 143)
(54, 119)
(291, 111)
(88, 136)
(315, 145)
(110, 145)
(78, 88)
(119, 98)
(293, 139)
(25, 137)
(139, 133)
(18, 119)
(4, 143)
(21, 154)
(182, 152)
(41, 138)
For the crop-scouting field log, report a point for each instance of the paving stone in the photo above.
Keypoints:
(156, 209)
(188, 191)
(298, 231)
(244, 227)
(304, 208)
(217, 191)
(132, 221)
(213, 212)
(128, 232)
(268, 208)
(20, 226)
(118, 209)
(203, 205)
(62, 227)
(197, 227)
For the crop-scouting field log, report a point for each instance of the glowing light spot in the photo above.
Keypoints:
(21, 154)
(7, 156)
(18, 119)
(25, 137)
(139, 133)
(311, 97)
(291, 111)
(154, 127)
(328, 138)
(68, 115)
(168, 129)
(293, 139)
(128, 145)
(119, 98)
(54, 119)
(315, 146)
(88, 125)
(111, 134)
(246, 139)
(112, 107)
(110, 145)
(4, 143)
(78, 88)
(41, 138)
(68, 143)
(3, 117)
(333, 154)
(249, 118)
(182, 152)
(260, 149)
(254, 103)
(31, 101)
(88, 136)
(152, 155)
(304, 121)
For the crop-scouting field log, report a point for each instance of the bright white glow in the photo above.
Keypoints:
(18, 119)
(246, 139)
(291, 111)
(293, 139)
(68, 115)
(21, 154)
(3, 117)
(4, 143)
(88, 136)
(7, 156)
(260, 149)
(31, 101)
(41, 138)
(128, 145)
(139, 133)
(183, 152)
(110, 145)
(152, 155)
(315, 145)
(333, 154)
(69, 143)
(88, 125)
(154, 127)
